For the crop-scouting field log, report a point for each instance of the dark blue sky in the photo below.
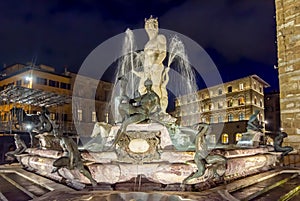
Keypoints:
(239, 35)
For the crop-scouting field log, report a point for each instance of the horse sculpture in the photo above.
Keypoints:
(38, 123)
(102, 136)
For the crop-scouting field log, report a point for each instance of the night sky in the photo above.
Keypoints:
(239, 35)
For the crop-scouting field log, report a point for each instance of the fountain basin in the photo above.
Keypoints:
(172, 167)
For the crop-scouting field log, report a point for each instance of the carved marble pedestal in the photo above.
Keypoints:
(172, 167)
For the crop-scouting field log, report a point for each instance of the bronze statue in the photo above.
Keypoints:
(202, 156)
(20, 148)
(278, 140)
(72, 158)
(139, 109)
(253, 123)
(34, 123)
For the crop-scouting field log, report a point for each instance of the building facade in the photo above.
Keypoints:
(223, 104)
(90, 103)
(44, 80)
(272, 112)
(288, 50)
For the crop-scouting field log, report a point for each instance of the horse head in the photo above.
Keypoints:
(101, 128)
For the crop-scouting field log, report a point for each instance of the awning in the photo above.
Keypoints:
(35, 97)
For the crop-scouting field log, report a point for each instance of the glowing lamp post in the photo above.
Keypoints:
(28, 80)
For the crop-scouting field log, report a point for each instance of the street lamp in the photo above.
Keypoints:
(28, 81)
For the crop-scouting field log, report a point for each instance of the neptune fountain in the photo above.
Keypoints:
(145, 141)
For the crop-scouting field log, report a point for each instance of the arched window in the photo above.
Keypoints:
(241, 100)
(220, 119)
(230, 117)
(79, 115)
(255, 100)
(52, 116)
(238, 137)
(220, 91)
(261, 103)
(241, 86)
(211, 138)
(260, 117)
(241, 116)
(220, 105)
(225, 138)
(229, 103)
(211, 119)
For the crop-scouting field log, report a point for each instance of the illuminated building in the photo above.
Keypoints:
(288, 46)
(223, 105)
(47, 88)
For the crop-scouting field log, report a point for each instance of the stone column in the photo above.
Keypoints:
(288, 45)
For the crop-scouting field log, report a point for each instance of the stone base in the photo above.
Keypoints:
(172, 168)
(250, 139)
(293, 141)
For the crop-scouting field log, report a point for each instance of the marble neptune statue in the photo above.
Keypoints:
(153, 68)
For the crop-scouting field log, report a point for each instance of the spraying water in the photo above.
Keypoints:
(180, 63)
(181, 78)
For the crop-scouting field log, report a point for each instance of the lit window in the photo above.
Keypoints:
(260, 117)
(52, 116)
(261, 103)
(242, 116)
(94, 117)
(241, 101)
(238, 137)
(229, 103)
(230, 117)
(225, 138)
(241, 86)
(79, 113)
